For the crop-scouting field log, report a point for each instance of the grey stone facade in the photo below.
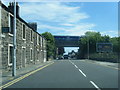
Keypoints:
(31, 46)
(0, 50)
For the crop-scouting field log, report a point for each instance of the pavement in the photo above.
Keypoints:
(70, 74)
(110, 64)
(7, 75)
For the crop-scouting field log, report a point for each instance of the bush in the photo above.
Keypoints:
(108, 57)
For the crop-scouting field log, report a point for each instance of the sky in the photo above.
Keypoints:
(72, 18)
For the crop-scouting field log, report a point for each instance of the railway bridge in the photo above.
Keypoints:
(66, 41)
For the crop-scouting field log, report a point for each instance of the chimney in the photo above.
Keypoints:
(11, 8)
(33, 26)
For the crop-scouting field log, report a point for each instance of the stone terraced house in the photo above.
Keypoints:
(30, 45)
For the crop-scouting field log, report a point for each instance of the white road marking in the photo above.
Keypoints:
(95, 85)
(76, 66)
(82, 72)
(72, 63)
(86, 76)
(78, 69)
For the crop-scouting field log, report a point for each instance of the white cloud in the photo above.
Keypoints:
(80, 29)
(67, 24)
(112, 33)
(56, 12)
(53, 28)
(56, 17)
(76, 30)
(65, 0)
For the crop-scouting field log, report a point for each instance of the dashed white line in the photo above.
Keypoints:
(78, 69)
(86, 76)
(72, 63)
(95, 85)
(82, 72)
(76, 66)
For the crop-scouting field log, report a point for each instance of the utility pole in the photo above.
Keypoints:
(88, 47)
(14, 43)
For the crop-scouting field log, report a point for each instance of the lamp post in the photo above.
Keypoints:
(14, 43)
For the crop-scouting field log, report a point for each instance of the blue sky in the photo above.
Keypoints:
(72, 18)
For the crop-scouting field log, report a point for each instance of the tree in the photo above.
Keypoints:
(115, 42)
(50, 44)
(61, 51)
(91, 38)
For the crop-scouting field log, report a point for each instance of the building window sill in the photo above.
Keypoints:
(24, 39)
(10, 34)
(9, 64)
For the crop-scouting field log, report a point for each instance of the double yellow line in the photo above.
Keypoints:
(22, 77)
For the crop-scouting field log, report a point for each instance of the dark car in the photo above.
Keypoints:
(65, 56)
(60, 57)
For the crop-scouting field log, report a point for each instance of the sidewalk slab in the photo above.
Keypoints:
(115, 65)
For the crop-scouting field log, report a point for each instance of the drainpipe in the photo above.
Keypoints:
(14, 43)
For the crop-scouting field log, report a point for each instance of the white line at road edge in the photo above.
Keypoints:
(95, 85)
(82, 72)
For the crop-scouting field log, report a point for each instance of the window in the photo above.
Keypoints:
(10, 54)
(37, 54)
(31, 54)
(11, 24)
(31, 35)
(41, 41)
(37, 39)
(23, 31)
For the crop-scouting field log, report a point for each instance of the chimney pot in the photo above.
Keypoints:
(16, 3)
(11, 8)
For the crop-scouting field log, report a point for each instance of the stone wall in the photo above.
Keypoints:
(24, 46)
(0, 49)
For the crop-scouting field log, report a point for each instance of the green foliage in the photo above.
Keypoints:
(92, 38)
(61, 51)
(95, 37)
(115, 42)
(50, 44)
(110, 57)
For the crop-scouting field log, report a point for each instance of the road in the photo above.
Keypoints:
(71, 74)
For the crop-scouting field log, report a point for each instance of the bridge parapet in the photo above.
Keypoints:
(67, 41)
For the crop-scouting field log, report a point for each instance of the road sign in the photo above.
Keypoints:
(104, 47)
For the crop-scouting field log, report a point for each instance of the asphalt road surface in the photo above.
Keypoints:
(71, 74)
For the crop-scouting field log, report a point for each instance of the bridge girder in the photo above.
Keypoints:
(67, 41)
